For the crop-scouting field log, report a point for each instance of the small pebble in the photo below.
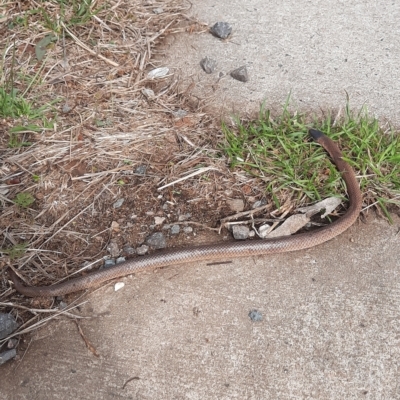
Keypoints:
(109, 263)
(113, 249)
(118, 285)
(115, 226)
(66, 108)
(236, 205)
(118, 203)
(175, 229)
(240, 74)
(142, 250)
(158, 73)
(159, 220)
(157, 241)
(240, 232)
(255, 315)
(184, 217)
(208, 65)
(188, 229)
(259, 203)
(148, 93)
(263, 230)
(129, 250)
(12, 343)
(221, 30)
(141, 169)
(120, 260)
(62, 305)
(7, 355)
(7, 325)
(179, 114)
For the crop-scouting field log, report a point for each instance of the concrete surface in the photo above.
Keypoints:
(330, 330)
(315, 49)
(330, 327)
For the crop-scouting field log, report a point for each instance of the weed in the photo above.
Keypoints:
(24, 199)
(15, 251)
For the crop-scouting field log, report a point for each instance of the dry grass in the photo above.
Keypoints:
(86, 127)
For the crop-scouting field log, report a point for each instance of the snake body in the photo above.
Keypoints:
(220, 251)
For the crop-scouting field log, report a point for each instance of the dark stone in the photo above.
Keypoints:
(221, 30)
(240, 74)
(208, 65)
(157, 241)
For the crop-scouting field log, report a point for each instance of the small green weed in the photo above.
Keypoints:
(279, 150)
(24, 199)
(16, 251)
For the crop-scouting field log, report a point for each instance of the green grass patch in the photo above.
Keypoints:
(24, 199)
(16, 251)
(279, 150)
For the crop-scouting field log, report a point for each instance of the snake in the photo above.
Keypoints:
(219, 251)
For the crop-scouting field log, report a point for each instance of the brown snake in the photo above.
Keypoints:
(220, 251)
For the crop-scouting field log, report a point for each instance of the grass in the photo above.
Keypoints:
(280, 152)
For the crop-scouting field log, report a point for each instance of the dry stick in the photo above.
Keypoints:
(199, 171)
(41, 310)
(83, 45)
(37, 324)
(244, 214)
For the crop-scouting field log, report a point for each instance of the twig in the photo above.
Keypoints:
(83, 45)
(199, 171)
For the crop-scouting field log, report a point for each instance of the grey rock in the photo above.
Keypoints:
(141, 169)
(208, 65)
(240, 232)
(129, 250)
(142, 250)
(159, 220)
(66, 108)
(148, 93)
(157, 241)
(240, 74)
(221, 30)
(109, 263)
(179, 113)
(113, 249)
(62, 305)
(255, 315)
(263, 230)
(118, 203)
(7, 355)
(175, 229)
(120, 260)
(188, 229)
(259, 203)
(184, 217)
(7, 325)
